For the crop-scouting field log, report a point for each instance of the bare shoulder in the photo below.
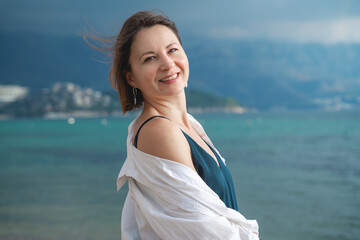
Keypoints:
(162, 138)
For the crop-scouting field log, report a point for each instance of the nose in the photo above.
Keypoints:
(166, 63)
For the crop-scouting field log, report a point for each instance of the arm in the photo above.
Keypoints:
(169, 195)
(162, 138)
(184, 218)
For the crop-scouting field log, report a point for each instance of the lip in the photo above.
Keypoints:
(172, 80)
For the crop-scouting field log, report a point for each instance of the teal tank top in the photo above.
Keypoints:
(218, 178)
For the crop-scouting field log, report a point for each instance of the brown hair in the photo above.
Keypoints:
(120, 52)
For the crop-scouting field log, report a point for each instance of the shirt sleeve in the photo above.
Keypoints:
(177, 203)
(184, 220)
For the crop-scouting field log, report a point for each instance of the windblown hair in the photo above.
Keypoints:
(119, 50)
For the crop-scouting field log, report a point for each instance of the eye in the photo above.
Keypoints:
(173, 50)
(149, 59)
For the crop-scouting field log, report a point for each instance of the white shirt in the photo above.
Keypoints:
(168, 200)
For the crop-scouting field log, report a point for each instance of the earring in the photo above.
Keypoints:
(135, 94)
(186, 84)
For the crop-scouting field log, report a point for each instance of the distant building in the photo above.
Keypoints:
(65, 87)
(69, 93)
(11, 93)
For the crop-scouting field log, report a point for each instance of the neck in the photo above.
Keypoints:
(173, 108)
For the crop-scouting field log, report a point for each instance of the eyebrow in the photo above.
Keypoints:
(151, 52)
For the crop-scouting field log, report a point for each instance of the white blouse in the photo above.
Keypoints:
(168, 200)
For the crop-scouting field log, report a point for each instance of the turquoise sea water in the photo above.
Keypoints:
(297, 173)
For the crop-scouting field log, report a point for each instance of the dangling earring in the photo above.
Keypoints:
(135, 94)
(186, 84)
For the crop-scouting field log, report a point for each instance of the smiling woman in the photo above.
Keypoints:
(159, 66)
(179, 185)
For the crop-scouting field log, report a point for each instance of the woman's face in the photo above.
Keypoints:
(159, 66)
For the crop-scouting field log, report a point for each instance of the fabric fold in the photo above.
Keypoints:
(171, 201)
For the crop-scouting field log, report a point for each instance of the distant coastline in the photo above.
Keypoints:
(69, 100)
(100, 114)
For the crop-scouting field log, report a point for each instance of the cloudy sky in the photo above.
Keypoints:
(322, 21)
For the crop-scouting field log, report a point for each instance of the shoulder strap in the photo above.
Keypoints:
(147, 120)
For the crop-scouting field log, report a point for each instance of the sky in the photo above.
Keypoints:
(299, 21)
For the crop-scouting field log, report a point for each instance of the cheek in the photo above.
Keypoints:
(184, 63)
(149, 71)
(144, 72)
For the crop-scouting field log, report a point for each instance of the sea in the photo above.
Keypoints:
(296, 172)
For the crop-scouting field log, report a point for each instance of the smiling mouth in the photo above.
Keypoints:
(169, 78)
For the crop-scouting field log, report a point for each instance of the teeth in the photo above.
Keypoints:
(169, 78)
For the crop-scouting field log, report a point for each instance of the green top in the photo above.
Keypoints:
(218, 178)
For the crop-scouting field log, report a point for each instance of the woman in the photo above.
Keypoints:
(179, 186)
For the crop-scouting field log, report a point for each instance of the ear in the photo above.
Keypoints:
(130, 79)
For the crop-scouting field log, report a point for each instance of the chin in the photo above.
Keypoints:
(175, 92)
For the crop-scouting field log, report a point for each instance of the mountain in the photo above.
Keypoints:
(268, 74)
(69, 99)
(37, 61)
(258, 74)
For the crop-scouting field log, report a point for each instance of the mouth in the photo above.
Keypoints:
(171, 77)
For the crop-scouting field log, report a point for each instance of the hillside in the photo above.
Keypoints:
(258, 74)
(69, 99)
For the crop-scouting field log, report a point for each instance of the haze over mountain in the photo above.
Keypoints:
(257, 73)
(266, 54)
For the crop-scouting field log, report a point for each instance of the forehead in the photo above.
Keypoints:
(153, 38)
